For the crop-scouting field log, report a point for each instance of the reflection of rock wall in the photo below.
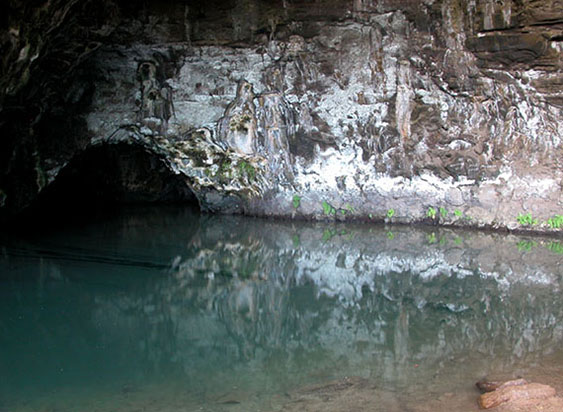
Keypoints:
(400, 299)
(243, 295)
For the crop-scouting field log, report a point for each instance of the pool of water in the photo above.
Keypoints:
(161, 309)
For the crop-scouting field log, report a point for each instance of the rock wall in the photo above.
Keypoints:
(440, 111)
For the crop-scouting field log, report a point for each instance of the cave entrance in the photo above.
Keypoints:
(109, 177)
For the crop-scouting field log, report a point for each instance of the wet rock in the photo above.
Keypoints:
(515, 392)
(490, 386)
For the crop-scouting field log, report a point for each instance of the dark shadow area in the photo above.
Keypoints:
(104, 179)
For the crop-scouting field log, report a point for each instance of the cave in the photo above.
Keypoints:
(281, 205)
(109, 177)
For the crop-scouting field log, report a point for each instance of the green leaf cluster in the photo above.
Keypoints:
(225, 168)
(431, 213)
(296, 201)
(390, 213)
(555, 222)
(328, 209)
(526, 219)
(443, 212)
(247, 169)
(347, 209)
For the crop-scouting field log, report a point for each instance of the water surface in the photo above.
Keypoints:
(164, 310)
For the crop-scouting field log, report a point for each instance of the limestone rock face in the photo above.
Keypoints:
(444, 110)
(238, 127)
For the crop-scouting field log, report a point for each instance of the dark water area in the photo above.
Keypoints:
(161, 309)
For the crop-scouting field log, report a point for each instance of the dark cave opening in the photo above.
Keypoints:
(105, 179)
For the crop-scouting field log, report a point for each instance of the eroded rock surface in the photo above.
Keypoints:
(365, 106)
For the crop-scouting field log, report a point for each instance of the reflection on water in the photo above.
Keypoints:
(227, 313)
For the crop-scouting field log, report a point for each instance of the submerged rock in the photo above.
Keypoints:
(517, 393)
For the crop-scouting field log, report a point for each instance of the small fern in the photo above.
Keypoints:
(526, 219)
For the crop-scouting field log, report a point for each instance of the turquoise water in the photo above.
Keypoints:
(165, 310)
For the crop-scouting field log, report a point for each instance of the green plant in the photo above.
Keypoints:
(555, 222)
(225, 169)
(443, 212)
(296, 201)
(458, 213)
(431, 213)
(349, 208)
(390, 235)
(526, 219)
(328, 209)
(431, 238)
(370, 215)
(247, 169)
(390, 213)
